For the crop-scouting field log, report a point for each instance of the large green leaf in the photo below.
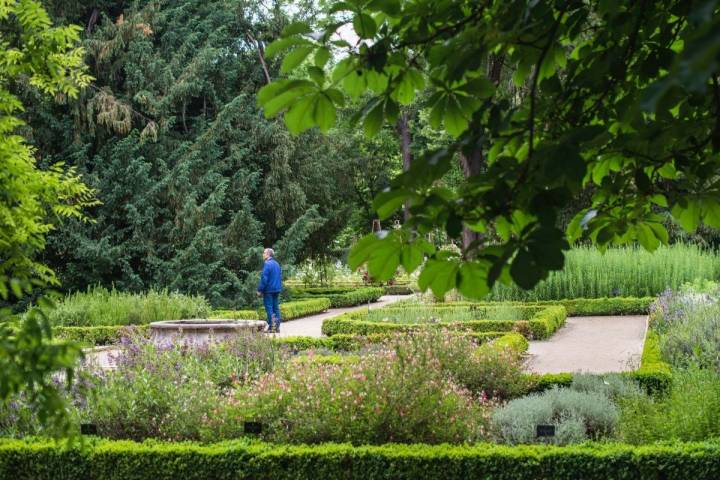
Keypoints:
(439, 275)
(283, 44)
(688, 214)
(385, 258)
(525, 270)
(324, 114)
(473, 279)
(646, 237)
(296, 28)
(373, 120)
(364, 25)
(360, 252)
(295, 58)
(387, 203)
(412, 257)
(299, 117)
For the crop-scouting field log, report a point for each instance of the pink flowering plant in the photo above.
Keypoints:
(428, 387)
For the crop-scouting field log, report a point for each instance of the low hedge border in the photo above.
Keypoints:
(349, 342)
(339, 297)
(540, 326)
(114, 460)
(95, 336)
(576, 307)
(236, 314)
(288, 310)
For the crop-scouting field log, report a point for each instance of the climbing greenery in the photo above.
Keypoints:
(543, 99)
(35, 56)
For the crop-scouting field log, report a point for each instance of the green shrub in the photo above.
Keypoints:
(513, 341)
(241, 460)
(398, 289)
(236, 314)
(101, 307)
(690, 411)
(97, 336)
(625, 271)
(577, 417)
(340, 297)
(299, 308)
(540, 383)
(298, 343)
(320, 291)
(612, 385)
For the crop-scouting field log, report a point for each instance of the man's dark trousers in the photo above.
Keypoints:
(272, 308)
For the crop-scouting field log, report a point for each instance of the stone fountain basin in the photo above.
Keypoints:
(197, 332)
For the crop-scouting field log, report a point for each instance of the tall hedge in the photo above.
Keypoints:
(115, 460)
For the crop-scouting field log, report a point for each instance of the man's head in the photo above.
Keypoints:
(268, 253)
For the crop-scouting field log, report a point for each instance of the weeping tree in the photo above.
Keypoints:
(620, 96)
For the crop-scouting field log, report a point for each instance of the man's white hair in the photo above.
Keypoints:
(270, 252)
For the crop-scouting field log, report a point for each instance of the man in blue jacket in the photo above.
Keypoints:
(269, 288)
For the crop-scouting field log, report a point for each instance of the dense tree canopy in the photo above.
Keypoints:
(193, 180)
(543, 99)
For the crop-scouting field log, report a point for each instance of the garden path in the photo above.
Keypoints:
(591, 344)
(309, 326)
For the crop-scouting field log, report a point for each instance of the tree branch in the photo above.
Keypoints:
(261, 55)
(536, 75)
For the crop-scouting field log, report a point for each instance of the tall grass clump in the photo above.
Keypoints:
(625, 271)
(100, 306)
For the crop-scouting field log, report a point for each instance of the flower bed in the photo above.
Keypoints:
(532, 321)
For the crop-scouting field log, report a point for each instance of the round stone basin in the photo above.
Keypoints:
(198, 332)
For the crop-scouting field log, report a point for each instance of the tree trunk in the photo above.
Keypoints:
(473, 163)
(403, 130)
(471, 166)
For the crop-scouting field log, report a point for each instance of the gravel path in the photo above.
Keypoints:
(591, 344)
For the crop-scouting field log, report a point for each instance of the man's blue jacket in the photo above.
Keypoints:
(271, 277)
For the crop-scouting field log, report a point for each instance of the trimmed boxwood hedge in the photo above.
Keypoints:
(91, 336)
(542, 324)
(576, 307)
(348, 342)
(288, 310)
(341, 297)
(115, 460)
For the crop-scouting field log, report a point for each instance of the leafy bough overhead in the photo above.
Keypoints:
(621, 99)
